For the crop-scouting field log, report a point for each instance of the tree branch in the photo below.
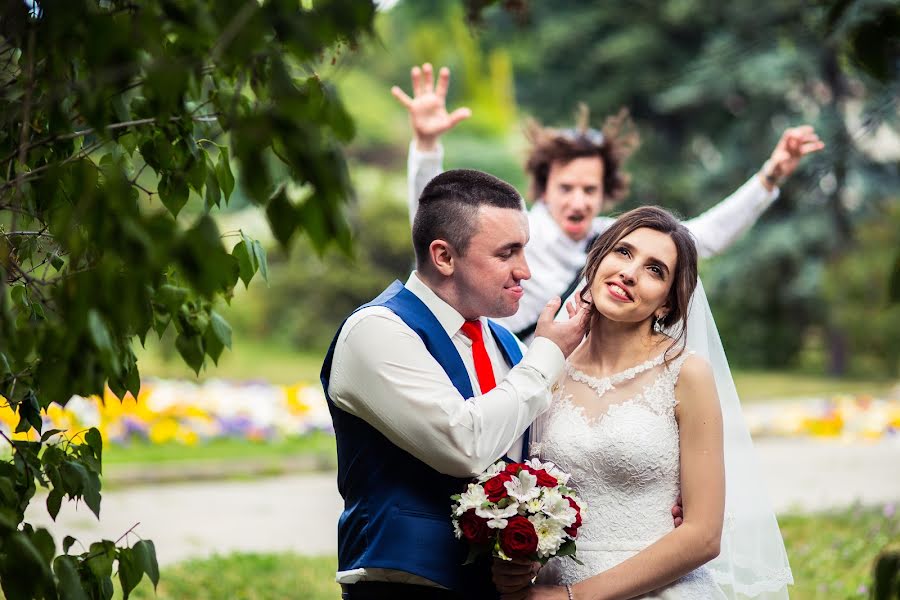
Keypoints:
(23, 134)
(209, 118)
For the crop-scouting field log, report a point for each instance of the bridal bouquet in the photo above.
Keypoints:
(518, 510)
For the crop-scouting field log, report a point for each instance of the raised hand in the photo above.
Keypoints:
(565, 334)
(795, 143)
(428, 107)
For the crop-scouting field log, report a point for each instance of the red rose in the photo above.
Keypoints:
(544, 479)
(514, 468)
(572, 530)
(494, 487)
(474, 528)
(519, 539)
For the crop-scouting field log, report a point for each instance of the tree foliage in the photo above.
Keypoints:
(114, 115)
(711, 86)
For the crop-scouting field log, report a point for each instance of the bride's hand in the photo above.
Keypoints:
(512, 577)
(547, 592)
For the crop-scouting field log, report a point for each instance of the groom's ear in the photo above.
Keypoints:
(443, 257)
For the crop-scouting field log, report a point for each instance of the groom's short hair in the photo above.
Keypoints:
(448, 208)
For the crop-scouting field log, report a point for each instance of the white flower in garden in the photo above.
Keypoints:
(550, 535)
(557, 508)
(473, 497)
(491, 471)
(497, 517)
(523, 487)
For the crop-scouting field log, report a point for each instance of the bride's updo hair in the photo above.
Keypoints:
(685, 272)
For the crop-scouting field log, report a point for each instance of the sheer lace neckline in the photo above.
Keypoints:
(601, 385)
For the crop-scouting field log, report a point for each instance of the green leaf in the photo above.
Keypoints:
(191, 349)
(56, 262)
(68, 541)
(171, 297)
(173, 193)
(220, 328)
(29, 413)
(245, 262)
(69, 583)
(50, 433)
(54, 502)
(100, 561)
(95, 441)
(92, 492)
(283, 216)
(145, 553)
(213, 192)
(214, 347)
(43, 542)
(103, 342)
(130, 571)
(19, 295)
(260, 253)
(224, 174)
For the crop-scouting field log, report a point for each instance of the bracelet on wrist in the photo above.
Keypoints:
(569, 592)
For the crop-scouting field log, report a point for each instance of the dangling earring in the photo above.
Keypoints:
(657, 323)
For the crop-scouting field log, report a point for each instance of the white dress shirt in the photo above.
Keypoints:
(555, 259)
(383, 374)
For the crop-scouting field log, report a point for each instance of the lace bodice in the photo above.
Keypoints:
(618, 438)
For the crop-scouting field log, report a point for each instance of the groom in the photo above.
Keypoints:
(425, 392)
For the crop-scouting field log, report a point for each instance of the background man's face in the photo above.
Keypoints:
(574, 194)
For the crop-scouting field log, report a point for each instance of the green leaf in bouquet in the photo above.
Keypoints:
(456, 497)
(567, 549)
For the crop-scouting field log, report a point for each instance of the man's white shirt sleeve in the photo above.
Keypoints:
(421, 167)
(720, 226)
(383, 374)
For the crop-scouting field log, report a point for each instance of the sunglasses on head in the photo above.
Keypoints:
(594, 136)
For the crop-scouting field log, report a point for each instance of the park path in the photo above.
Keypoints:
(298, 513)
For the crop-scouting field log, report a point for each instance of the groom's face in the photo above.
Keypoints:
(488, 277)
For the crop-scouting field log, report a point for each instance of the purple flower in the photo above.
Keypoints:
(890, 509)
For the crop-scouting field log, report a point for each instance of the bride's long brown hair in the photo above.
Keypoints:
(685, 272)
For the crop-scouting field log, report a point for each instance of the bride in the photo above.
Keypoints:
(637, 420)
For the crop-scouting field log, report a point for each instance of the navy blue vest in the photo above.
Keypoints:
(397, 508)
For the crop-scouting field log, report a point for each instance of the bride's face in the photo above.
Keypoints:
(633, 281)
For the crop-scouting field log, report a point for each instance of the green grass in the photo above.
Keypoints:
(247, 360)
(219, 449)
(831, 555)
(756, 386)
(246, 577)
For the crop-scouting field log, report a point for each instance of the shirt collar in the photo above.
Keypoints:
(447, 316)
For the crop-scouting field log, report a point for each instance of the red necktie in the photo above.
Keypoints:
(483, 369)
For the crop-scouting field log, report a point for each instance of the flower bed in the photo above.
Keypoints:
(189, 413)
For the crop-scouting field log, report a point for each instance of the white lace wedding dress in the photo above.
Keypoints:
(618, 438)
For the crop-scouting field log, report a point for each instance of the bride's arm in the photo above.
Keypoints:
(696, 541)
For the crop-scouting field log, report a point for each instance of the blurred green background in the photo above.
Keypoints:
(710, 85)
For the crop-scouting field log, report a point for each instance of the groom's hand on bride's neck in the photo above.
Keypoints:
(565, 334)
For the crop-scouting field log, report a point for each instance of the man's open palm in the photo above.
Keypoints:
(428, 107)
